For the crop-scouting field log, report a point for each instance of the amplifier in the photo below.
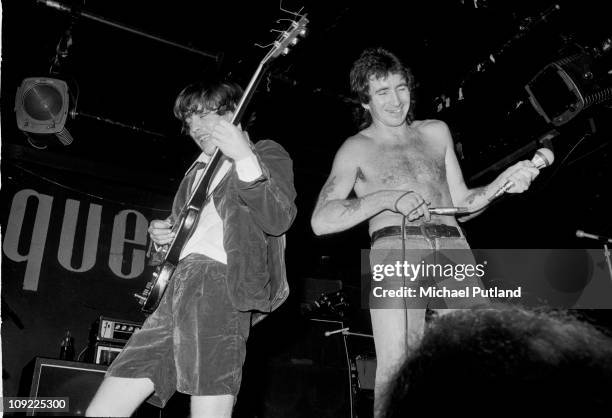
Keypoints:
(366, 371)
(116, 330)
(105, 353)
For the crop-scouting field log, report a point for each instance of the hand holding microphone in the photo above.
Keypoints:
(542, 158)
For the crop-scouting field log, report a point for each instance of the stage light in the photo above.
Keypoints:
(564, 88)
(42, 106)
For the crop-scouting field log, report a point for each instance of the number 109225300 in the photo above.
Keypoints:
(24, 404)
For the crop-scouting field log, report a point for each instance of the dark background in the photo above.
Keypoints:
(304, 104)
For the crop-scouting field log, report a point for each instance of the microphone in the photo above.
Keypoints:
(581, 234)
(542, 158)
(448, 210)
(342, 330)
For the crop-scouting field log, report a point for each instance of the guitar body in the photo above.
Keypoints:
(187, 220)
(154, 290)
(156, 287)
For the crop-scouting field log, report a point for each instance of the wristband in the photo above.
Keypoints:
(400, 198)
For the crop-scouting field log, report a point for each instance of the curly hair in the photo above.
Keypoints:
(506, 357)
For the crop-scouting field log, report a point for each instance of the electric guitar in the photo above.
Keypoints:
(187, 219)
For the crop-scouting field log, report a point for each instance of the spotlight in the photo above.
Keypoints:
(41, 107)
(564, 88)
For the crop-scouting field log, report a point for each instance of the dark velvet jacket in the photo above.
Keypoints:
(255, 217)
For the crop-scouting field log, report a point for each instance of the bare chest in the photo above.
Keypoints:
(396, 166)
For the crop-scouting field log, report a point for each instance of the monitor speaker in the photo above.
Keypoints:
(59, 378)
(79, 382)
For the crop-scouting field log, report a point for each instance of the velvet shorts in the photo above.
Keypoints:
(195, 342)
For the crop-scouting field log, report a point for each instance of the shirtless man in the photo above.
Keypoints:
(399, 168)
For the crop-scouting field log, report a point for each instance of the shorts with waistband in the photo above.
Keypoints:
(195, 342)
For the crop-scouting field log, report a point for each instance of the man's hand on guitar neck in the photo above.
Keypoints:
(160, 231)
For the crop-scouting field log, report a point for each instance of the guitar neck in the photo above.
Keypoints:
(198, 199)
(248, 93)
(281, 45)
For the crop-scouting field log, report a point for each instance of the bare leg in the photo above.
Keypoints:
(119, 396)
(395, 332)
(219, 406)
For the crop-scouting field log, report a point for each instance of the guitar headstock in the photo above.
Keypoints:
(287, 39)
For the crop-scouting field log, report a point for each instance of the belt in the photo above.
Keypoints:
(426, 230)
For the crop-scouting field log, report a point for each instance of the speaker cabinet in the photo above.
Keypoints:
(71, 379)
(79, 382)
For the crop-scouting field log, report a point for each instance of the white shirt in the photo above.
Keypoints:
(207, 239)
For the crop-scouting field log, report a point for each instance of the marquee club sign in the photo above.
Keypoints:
(27, 236)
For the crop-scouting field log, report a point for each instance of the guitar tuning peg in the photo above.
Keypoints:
(285, 51)
(303, 32)
(294, 41)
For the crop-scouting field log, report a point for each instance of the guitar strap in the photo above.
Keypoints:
(180, 198)
(193, 173)
(182, 194)
(185, 188)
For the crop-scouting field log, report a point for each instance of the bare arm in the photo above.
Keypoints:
(520, 174)
(334, 212)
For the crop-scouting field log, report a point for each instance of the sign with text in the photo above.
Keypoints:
(69, 255)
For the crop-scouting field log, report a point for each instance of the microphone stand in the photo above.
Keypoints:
(345, 331)
(604, 241)
(607, 254)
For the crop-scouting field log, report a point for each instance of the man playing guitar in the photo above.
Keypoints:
(231, 266)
